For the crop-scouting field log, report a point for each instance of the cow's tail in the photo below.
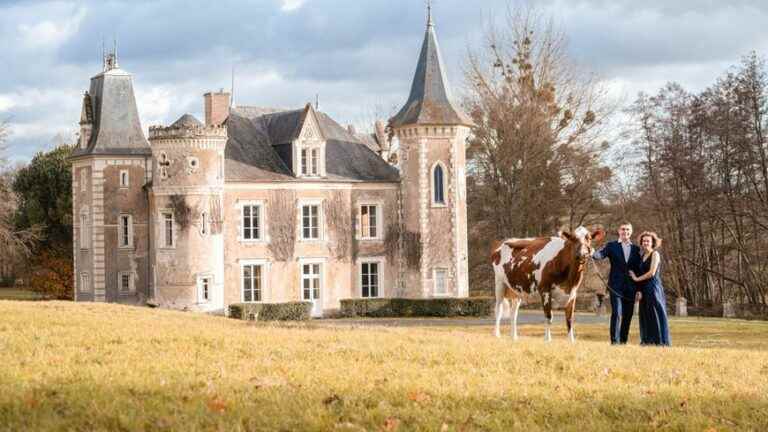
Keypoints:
(496, 251)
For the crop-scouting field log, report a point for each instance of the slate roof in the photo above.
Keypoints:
(258, 148)
(187, 121)
(116, 126)
(430, 98)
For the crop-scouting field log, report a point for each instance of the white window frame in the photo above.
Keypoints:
(164, 231)
(310, 158)
(131, 287)
(200, 285)
(432, 185)
(85, 229)
(264, 278)
(85, 282)
(321, 288)
(362, 235)
(262, 221)
(435, 271)
(379, 261)
(125, 178)
(320, 219)
(121, 233)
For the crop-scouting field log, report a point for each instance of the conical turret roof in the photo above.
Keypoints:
(186, 121)
(430, 98)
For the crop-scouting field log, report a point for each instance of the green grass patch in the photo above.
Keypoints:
(19, 294)
(68, 366)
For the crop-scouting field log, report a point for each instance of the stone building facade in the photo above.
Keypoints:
(265, 205)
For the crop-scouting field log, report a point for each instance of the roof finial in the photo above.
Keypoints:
(429, 14)
(114, 53)
(232, 90)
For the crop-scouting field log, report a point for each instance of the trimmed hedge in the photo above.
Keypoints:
(293, 311)
(403, 307)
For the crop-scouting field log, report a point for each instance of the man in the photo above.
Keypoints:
(623, 256)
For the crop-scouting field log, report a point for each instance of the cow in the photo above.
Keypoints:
(523, 266)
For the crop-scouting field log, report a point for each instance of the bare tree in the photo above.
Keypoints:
(534, 158)
(14, 243)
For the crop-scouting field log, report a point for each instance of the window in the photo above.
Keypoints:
(369, 274)
(310, 222)
(304, 167)
(252, 282)
(125, 282)
(310, 161)
(85, 282)
(83, 180)
(204, 285)
(310, 281)
(168, 230)
(85, 230)
(315, 162)
(124, 179)
(369, 220)
(441, 282)
(438, 185)
(251, 222)
(125, 233)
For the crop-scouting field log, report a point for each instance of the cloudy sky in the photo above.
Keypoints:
(358, 55)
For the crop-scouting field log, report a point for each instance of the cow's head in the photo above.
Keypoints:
(581, 241)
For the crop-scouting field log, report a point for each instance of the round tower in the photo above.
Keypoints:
(187, 218)
(432, 133)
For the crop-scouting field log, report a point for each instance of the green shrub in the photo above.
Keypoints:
(402, 307)
(293, 311)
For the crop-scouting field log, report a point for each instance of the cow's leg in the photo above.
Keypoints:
(570, 314)
(513, 309)
(500, 300)
(546, 300)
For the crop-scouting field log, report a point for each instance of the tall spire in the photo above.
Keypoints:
(430, 98)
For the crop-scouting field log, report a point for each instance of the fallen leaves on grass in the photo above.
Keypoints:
(217, 405)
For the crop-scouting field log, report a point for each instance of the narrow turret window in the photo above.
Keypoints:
(168, 235)
(438, 185)
(124, 179)
(125, 233)
(204, 223)
(85, 230)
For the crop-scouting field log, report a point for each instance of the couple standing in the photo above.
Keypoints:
(635, 277)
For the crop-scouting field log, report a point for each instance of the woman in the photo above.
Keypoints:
(654, 326)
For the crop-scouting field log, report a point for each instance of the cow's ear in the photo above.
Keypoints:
(565, 235)
(598, 235)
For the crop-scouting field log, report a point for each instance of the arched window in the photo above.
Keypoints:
(438, 184)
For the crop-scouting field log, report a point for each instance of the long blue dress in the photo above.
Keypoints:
(654, 325)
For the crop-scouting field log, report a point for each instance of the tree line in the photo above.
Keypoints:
(691, 166)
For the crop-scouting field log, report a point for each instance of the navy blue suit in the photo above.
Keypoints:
(622, 286)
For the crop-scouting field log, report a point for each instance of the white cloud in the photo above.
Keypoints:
(6, 103)
(50, 33)
(292, 5)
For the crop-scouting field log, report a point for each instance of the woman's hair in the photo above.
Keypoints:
(655, 239)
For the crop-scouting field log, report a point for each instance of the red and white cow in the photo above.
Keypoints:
(525, 265)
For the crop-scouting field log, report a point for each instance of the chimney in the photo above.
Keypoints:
(216, 107)
(381, 135)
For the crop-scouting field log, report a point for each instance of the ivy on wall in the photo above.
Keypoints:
(339, 223)
(182, 213)
(282, 216)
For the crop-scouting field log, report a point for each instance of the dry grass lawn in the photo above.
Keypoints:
(68, 366)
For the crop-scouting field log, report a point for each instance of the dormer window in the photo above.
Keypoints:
(310, 161)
